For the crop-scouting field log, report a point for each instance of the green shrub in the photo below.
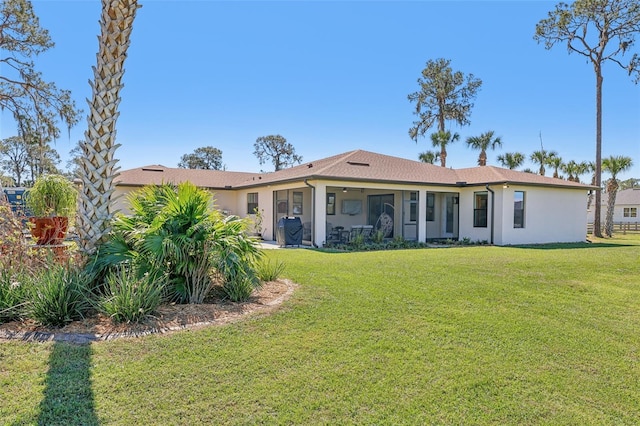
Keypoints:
(378, 237)
(12, 295)
(173, 232)
(268, 270)
(130, 298)
(58, 295)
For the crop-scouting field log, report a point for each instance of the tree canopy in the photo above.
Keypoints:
(276, 149)
(35, 104)
(204, 158)
(444, 95)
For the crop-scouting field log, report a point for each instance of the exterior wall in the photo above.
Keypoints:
(550, 215)
(224, 201)
(467, 230)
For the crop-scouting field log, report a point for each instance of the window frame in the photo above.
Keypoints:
(629, 212)
(482, 196)
(252, 205)
(521, 209)
(331, 203)
(431, 206)
(297, 203)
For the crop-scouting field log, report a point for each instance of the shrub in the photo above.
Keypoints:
(173, 233)
(12, 295)
(239, 283)
(130, 298)
(58, 295)
(268, 270)
(52, 195)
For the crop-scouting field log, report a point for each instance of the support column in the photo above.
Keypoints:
(422, 216)
(320, 205)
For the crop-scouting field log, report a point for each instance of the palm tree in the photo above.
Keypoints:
(482, 143)
(511, 160)
(555, 161)
(614, 165)
(98, 148)
(441, 140)
(571, 168)
(429, 157)
(542, 157)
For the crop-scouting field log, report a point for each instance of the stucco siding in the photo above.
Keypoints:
(550, 215)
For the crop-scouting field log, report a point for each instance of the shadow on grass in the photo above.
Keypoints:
(565, 246)
(68, 398)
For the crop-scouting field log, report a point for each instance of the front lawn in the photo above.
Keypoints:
(463, 335)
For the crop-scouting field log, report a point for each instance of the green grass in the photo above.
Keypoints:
(465, 335)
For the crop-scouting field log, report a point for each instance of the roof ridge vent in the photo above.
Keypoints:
(152, 169)
(358, 163)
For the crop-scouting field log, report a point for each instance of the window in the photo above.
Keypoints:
(413, 206)
(630, 212)
(431, 204)
(331, 203)
(480, 209)
(518, 209)
(297, 203)
(252, 202)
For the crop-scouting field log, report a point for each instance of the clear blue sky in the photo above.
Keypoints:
(333, 76)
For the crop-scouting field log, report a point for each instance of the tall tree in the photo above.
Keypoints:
(14, 158)
(601, 31)
(204, 158)
(98, 163)
(574, 170)
(482, 143)
(36, 105)
(441, 140)
(276, 149)
(614, 165)
(542, 158)
(511, 160)
(429, 156)
(443, 95)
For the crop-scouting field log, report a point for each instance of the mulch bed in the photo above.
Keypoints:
(168, 318)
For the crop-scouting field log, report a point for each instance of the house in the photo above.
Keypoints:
(360, 190)
(625, 210)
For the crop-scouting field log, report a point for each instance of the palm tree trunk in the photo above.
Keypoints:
(612, 190)
(443, 157)
(482, 159)
(98, 163)
(597, 231)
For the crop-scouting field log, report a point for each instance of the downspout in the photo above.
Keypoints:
(493, 198)
(313, 212)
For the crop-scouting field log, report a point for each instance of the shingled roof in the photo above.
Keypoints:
(359, 165)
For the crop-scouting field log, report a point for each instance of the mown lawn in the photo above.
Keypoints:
(466, 335)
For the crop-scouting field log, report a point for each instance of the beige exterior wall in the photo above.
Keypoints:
(223, 200)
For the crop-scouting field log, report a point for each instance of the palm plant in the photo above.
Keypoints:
(511, 160)
(542, 158)
(482, 143)
(441, 140)
(614, 165)
(175, 237)
(98, 148)
(571, 168)
(555, 161)
(429, 157)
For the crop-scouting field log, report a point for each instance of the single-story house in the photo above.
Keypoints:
(362, 190)
(625, 210)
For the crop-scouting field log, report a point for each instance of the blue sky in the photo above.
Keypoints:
(333, 76)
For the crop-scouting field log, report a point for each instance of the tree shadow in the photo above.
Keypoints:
(565, 246)
(68, 397)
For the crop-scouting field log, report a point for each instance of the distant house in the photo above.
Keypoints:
(414, 200)
(626, 209)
